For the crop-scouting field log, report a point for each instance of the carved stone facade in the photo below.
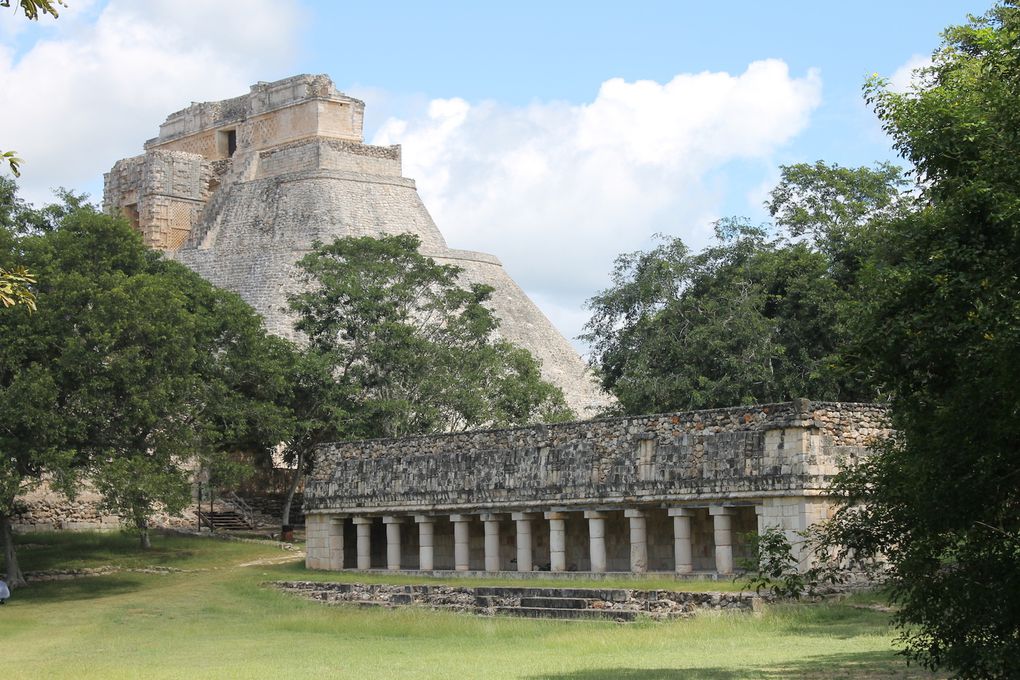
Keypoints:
(679, 492)
(238, 190)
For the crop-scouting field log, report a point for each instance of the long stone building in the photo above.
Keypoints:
(679, 492)
(238, 190)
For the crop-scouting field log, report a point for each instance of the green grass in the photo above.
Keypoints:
(221, 623)
(52, 550)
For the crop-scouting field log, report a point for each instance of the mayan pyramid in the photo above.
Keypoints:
(239, 189)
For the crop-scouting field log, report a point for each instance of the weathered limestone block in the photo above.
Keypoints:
(744, 452)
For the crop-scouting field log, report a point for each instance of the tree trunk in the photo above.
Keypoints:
(142, 524)
(285, 519)
(15, 579)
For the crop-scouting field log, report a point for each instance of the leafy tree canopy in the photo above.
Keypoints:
(939, 329)
(759, 315)
(133, 369)
(411, 350)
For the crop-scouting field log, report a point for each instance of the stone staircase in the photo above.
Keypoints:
(565, 603)
(269, 509)
(223, 520)
(552, 607)
(574, 604)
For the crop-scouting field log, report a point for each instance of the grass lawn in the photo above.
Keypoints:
(218, 622)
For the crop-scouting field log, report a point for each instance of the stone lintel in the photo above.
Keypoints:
(691, 500)
(555, 514)
(525, 516)
(633, 513)
(361, 519)
(491, 516)
(595, 514)
(720, 510)
(424, 519)
(393, 519)
(461, 518)
(681, 512)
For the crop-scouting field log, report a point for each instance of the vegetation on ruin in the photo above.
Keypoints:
(219, 621)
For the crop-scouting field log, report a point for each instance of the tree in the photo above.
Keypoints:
(133, 370)
(396, 347)
(417, 350)
(758, 316)
(940, 331)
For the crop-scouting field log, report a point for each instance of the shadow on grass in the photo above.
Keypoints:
(73, 590)
(60, 550)
(856, 666)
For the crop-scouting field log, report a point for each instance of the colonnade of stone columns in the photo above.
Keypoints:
(683, 553)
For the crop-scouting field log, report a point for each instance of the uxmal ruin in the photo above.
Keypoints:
(678, 493)
(239, 190)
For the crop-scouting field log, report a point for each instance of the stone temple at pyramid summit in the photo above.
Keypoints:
(239, 189)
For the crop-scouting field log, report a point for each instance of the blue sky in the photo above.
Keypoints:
(553, 135)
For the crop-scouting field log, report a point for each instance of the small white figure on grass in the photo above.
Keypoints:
(5, 592)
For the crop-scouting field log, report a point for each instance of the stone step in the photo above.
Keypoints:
(556, 602)
(226, 519)
(607, 594)
(574, 614)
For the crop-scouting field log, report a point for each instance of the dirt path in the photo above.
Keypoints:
(265, 561)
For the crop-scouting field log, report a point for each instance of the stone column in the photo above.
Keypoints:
(461, 542)
(336, 542)
(638, 541)
(491, 541)
(393, 542)
(364, 526)
(596, 539)
(557, 540)
(723, 525)
(426, 543)
(524, 558)
(682, 550)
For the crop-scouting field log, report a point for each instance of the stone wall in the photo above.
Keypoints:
(270, 114)
(163, 191)
(622, 604)
(774, 450)
(44, 509)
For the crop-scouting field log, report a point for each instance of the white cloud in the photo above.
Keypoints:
(904, 77)
(92, 92)
(557, 190)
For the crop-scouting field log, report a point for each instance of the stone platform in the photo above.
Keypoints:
(605, 604)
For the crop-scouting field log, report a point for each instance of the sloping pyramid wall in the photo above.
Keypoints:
(268, 203)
